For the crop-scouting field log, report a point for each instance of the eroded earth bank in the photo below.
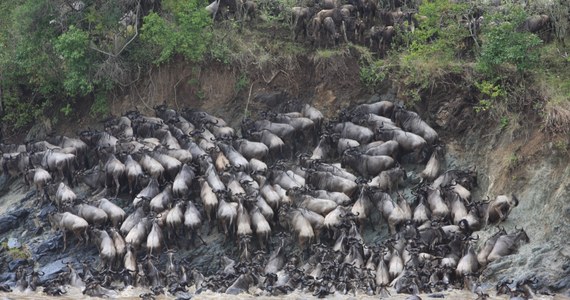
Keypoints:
(517, 159)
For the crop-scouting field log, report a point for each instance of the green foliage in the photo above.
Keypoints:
(325, 53)
(504, 43)
(200, 94)
(491, 92)
(371, 75)
(275, 10)
(241, 83)
(483, 105)
(66, 110)
(182, 29)
(441, 33)
(19, 113)
(73, 47)
(221, 52)
(490, 89)
(561, 146)
(19, 253)
(504, 122)
(513, 161)
(16, 253)
(27, 56)
(100, 106)
(422, 58)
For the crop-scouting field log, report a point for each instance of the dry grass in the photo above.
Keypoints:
(557, 118)
(554, 86)
(247, 48)
(331, 60)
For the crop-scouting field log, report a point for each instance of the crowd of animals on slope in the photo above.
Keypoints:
(369, 22)
(182, 172)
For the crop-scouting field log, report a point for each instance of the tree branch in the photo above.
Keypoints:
(136, 28)
(115, 55)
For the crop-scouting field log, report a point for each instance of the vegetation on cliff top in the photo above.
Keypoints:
(56, 54)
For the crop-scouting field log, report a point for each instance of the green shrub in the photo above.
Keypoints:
(371, 75)
(20, 113)
(73, 47)
(181, 29)
(27, 58)
(241, 83)
(100, 106)
(491, 94)
(441, 33)
(504, 43)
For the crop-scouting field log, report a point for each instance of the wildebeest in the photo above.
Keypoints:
(301, 17)
(411, 121)
(102, 141)
(53, 161)
(381, 39)
(536, 23)
(352, 131)
(367, 165)
(407, 141)
(508, 244)
(69, 222)
(499, 209)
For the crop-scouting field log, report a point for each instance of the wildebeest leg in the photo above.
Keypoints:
(68, 173)
(64, 240)
(117, 185)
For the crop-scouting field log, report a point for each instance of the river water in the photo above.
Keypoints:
(133, 293)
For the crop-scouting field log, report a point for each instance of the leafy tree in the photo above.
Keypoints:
(504, 43)
(28, 57)
(441, 32)
(73, 46)
(29, 73)
(181, 28)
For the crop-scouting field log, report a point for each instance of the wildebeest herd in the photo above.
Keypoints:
(375, 24)
(162, 183)
(330, 22)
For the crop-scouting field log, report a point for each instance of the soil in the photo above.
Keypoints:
(518, 159)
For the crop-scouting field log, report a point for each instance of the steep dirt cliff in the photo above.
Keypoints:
(518, 158)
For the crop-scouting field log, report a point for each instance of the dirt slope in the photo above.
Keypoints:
(517, 159)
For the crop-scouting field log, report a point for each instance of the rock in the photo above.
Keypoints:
(51, 270)
(3, 181)
(183, 296)
(12, 220)
(43, 214)
(5, 276)
(30, 195)
(8, 223)
(49, 245)
(13, 243)
(14, 264)
(562, 284)
(39, 131)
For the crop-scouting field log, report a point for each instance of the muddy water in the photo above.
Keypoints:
(133, 293)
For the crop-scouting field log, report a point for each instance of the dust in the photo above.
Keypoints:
(134, 293)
